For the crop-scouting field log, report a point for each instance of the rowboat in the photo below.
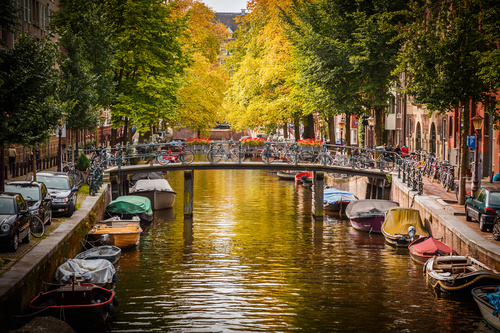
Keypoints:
(85, 307)
(423, 248)
(120, 235)
(336, 201)
(286, 175)
(128, 206)
(402, 225)
(100, 272)
(108, 252)
(458, 274)
(368, 215)
(304, 178)
(158, 191)
(488, 301)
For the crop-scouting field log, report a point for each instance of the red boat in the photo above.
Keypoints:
(304, 178)
(424, 248)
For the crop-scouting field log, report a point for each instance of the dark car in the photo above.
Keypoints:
(483, 206)
(62, 191)
(36, 196)
(14, 220)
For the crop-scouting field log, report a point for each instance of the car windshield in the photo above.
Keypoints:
(7, 206)
(495, 198)
(58, 183)
(30, 193)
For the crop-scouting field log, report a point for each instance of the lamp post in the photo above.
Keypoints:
(102, 121)
(341, 127)
(371, 123)
(477, 121)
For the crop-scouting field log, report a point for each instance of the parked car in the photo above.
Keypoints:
(63, 192)
(14, 220)
(36, 196)
(483, 206)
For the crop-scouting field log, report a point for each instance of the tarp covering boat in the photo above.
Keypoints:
(495, 300)
(98, 271)
(147, 175)
(432, 246)
(130, 204)
(368, 208)
(399, 219)
(152, 185)
(332, 195)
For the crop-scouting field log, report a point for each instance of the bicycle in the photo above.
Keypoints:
(218, 153)
(37, 228)
(183, 156)
(269, 154)
(75, 174)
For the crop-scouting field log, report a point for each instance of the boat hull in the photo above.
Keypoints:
(108, 252)
(84, 307)
(368, 224)
(159, 199)
(479, 294)
(122, 237)
(421, 257)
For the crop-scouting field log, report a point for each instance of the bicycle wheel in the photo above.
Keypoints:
(77, 177)
(305, 157)
(37, 227)
(187, 156)
(268, 156)
(290, 157)
(324, 159)
(215, 155)
(233, 155)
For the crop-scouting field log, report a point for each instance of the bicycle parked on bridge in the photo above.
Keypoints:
(217, 153)
(183, 155)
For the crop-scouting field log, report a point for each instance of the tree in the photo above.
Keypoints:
(441, 59)
(29, 110)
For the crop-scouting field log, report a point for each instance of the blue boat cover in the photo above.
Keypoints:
(495, 300)
(332, 195)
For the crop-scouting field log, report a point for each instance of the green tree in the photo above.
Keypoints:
(441, 59)
(29, 110)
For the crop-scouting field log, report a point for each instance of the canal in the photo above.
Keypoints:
(253, 260)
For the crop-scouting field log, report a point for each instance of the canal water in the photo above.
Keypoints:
(253, 260)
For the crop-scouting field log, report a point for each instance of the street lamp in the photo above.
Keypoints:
(102, 120)
(477, 121)
(341, 127)
(371, 123)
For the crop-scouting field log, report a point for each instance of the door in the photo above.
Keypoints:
(419, 137)
(432, 147)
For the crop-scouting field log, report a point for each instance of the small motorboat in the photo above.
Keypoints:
(85, 307)
(158, 191)
(121, 234)
(336, 201)
(108, 252)
(402, 226)
(458, 274)
(368, 215)
(286, 174)
(488, 301)
(128, 206)
(423, 248)
(304, 178)
(100, 272)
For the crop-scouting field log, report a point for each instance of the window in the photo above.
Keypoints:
(409, 127)
(392, 105)
(486, 124)
(450, 132)
(444, 129)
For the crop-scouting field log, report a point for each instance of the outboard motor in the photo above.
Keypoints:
(411, 232)
(104, 239)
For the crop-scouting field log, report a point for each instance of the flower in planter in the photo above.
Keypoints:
(309, 142)
(198, 141)
(253, 142)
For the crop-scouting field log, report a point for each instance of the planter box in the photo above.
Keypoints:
(309, 148)
(199, 147)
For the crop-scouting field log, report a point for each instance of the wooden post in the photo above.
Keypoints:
(317, 195)
(188, 194)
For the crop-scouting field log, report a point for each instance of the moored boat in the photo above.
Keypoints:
(108, 252)
(100, 272)
(488, 301)
(458, 274)
(84, 307)
(286, 174)
(304, 178)
(158, 191)
(336, 201)
(368, 215)
(402, 225)
(128, 206)
(423, 248)
(122, 236)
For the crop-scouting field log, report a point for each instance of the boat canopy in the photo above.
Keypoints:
(98, 271)
(144, 185)
(130, 204)
(332, 195)
(369, 208)
(147, 175)
(432, 246)
(399, 219)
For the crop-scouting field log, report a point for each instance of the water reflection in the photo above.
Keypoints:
(254, 259)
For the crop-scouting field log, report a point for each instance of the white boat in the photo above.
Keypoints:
(485, 296)
(109, 252)
(100, 272)
(159, 191)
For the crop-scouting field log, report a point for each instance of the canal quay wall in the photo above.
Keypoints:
(440, 218)
(29, 275)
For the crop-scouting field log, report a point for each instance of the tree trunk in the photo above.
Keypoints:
(33, 164)
(331, 129)
(463, 151)
(125, 132)
(285, 131)
(113, 137)
(296, 128)
(379, 121)
(348, 133)
(309, 126)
